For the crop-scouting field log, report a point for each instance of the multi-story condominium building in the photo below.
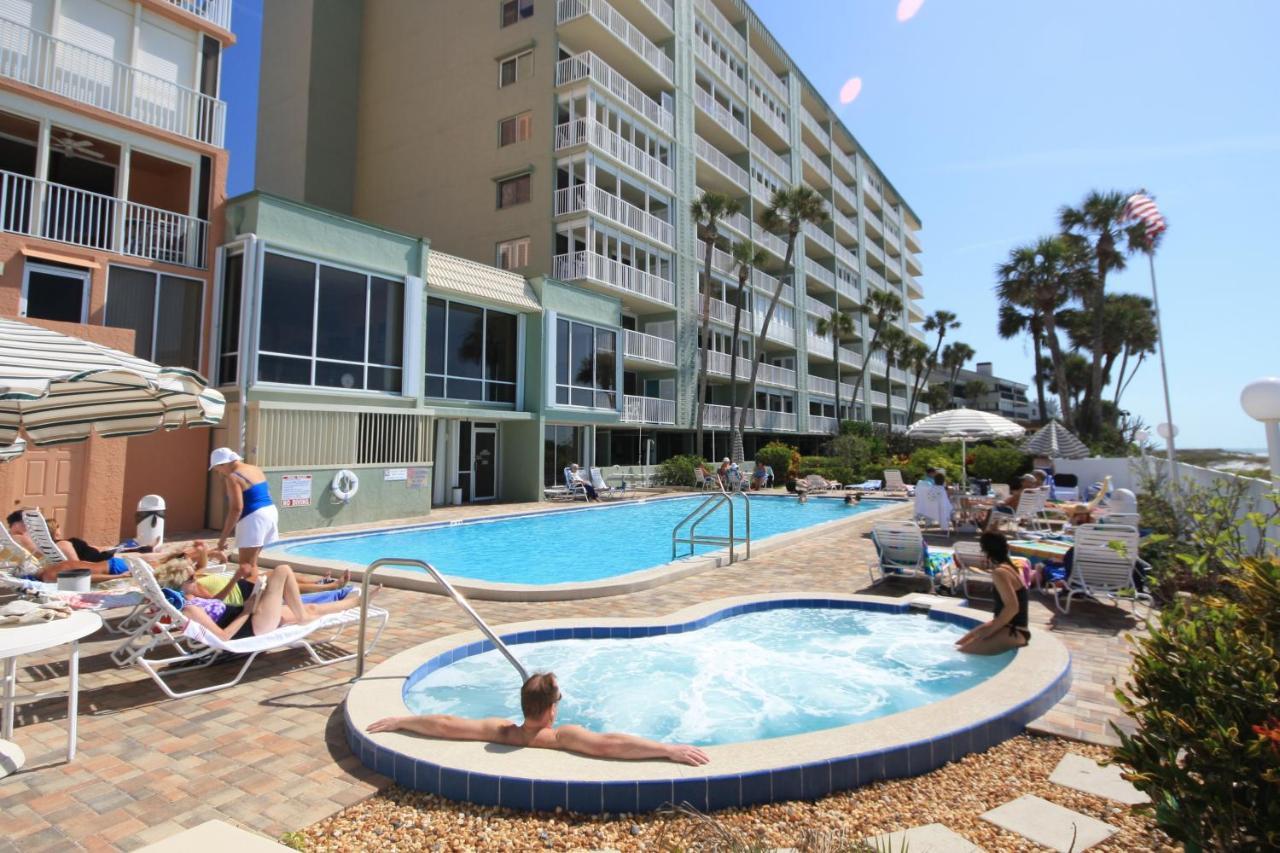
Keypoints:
(566, 139)
(112, 177)
(1001, 396)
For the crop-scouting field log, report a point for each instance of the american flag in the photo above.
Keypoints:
(1142, 207)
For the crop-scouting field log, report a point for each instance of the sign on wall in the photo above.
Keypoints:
(295, 490)
(390, 474)
(419, 478)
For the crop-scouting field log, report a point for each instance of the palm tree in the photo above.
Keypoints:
(1014, 321)
(884, 309)
(840, 326)
(939, 321)
(955, 357)
(706, 212)
(1098, 227)
(1128, 329)
(748, 257)
(787, 212)
(917, 359)
(1045, 275)
(973, 389)
(1140, 338)
(896, 344)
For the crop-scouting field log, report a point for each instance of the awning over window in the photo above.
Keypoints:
(447, 274)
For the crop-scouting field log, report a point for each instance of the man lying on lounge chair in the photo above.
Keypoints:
(538, 700)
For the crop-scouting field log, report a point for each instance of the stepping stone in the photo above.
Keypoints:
(929, 838)
(215, 835)
(1049, 824)
(1085, 774)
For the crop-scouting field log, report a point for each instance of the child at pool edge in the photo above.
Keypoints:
(539, 700)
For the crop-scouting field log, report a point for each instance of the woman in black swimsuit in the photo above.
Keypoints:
(1008, 630)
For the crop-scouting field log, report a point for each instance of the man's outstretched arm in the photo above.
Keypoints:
(579, 740)
(443, 726)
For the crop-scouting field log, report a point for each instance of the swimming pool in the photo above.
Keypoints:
(768, 766)
(569, 546)
(747, 677)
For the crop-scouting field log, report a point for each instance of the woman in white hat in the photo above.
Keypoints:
(250, 510)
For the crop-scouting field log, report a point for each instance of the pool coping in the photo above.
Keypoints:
(804, 766)
(622, 584)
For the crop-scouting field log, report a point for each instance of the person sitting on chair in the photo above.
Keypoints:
(539, 701)
(576, 476)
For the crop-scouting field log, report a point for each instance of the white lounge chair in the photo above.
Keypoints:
(38, 530)
(603, 489)
(893, 480)
(1132, 519)
(703, 482)
(1105, 558)
(900, 549)
(933, 504)
(196, 647)
(818, 484)
(575, 487)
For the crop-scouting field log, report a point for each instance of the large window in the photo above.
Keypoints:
(471, 352)
(513, 254)
(513, 69)
(515, 11)
(330, 327)
(586, 365)
(513, 191)
(164, 311)
(562, 446)
(229, 336)
(515, 129)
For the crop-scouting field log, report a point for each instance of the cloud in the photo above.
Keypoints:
(1067, 157)
(907, 9)
(849, 91)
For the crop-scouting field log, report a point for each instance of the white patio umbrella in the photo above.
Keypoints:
(57, 389)
(964, 425)
(1056, 442)
(13, 451)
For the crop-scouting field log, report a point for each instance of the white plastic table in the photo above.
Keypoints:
(25, 639)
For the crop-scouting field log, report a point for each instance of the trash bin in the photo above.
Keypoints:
(457, 495)
(150, 519)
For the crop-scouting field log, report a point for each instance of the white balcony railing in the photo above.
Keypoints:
(775, 421)
(899, 403)
(720, 364)
(649, 347)
(846, 256)
(818, 345)
(722, 70)
(777, 331)
(846, 194)
(597, 200)
(814, 162)
(849, 358)
(848, 289)
(763, 109)
(738, 222)
(771, 160)
(914, 288)
(714, 416)
(717, 159)
(664, 10)
(817, 235)
(622, 29)
(721, 25)
(722, 312)
(814, 127)
(216, 12)
(772, 242)
(69, 215)
(875, 252)
(822, 424)
(44, 62)
(766, 75)
(598, 268)
(720, 113)
(817, 308)
(845, 223)
(819, 273)
(878, 398)
(843, 160)
(588, 131)
(875, 279)
(588, 66)
(872, 191)
(648, 410)
(825, 387)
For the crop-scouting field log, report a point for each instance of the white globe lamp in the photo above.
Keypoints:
(1260, 400)
(1167, 431)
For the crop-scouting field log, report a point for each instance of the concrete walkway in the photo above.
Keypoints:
(269, 754)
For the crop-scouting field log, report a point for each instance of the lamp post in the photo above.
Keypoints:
(1260, 400)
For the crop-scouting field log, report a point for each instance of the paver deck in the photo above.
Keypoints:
(270, 753)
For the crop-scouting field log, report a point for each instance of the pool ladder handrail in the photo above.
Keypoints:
(704, 510)
(448, 587)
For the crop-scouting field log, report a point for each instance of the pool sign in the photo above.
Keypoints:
(418, 478)
(389, 474)
(295, 490)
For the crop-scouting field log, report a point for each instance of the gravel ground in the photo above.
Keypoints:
(954, 795)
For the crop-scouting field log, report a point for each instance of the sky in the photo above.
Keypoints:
(989, 115)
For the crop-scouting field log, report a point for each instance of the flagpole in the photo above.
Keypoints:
(1164, 376)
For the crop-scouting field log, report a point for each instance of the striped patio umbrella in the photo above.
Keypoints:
(964, 425)
(1056, 442)
(57, 389)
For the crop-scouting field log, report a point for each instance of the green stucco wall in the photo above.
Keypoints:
(378, 499)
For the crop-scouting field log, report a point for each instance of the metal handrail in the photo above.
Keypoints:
(448, 587)
(746, 503)
(703, 511)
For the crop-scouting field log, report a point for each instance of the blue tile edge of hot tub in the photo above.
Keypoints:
(710, 793)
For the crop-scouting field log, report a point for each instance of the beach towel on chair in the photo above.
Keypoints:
(279, 638)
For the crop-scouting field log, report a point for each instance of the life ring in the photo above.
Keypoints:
(345, 485)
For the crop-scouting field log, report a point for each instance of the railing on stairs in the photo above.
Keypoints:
(701, 513)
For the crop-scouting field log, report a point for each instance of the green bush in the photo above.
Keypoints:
(827, 468)
(944, 456)
(776, 455)
(1205, 696)
(862, 455)
(679, 470)
(998, 463)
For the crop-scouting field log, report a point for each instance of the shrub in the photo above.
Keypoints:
(944, 456)
(776, 455)
(827, 467)
(998, 463)
(857, 453)
(1205, 698)
(679, 470)
(793, 466)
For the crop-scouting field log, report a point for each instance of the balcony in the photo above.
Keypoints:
(875, 279)
(914, 290)
(812, 125)
(761, 191)
(588, 66)
(777, 331)
(850, 358)
(720, 364)
(722, 312)
(721, 25)
(913, 242)
(589, 266)
(766, 75)
(585, 199)
(216, 12)
(817, 308)
(914, 314)
(823, 425)
(771, 119)
(846, 257)
(878, 398)
(715, 417)
(913, 265)
(819, 237)
(568, 11)
(872, 191)
(891, 241)
(844, 162)
(848, 289)
(720, 114)
(819, 273)
(586, 131)
(717, 160)
(916, 332)
(899, 403)
(875, 253)
(68, 215)
(771, 242)
(827, 388)
(819, 346)
(52, 65)
(820, 171)
(847, 224)
(771, 421)
(663, 11)
(651, 348)
(768, 158)
(846, 195)
(720, 68)
(647, 410)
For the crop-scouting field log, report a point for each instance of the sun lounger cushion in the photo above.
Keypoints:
(284, 636)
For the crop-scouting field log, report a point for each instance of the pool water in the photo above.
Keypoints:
(574, 545)
(746, 677)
